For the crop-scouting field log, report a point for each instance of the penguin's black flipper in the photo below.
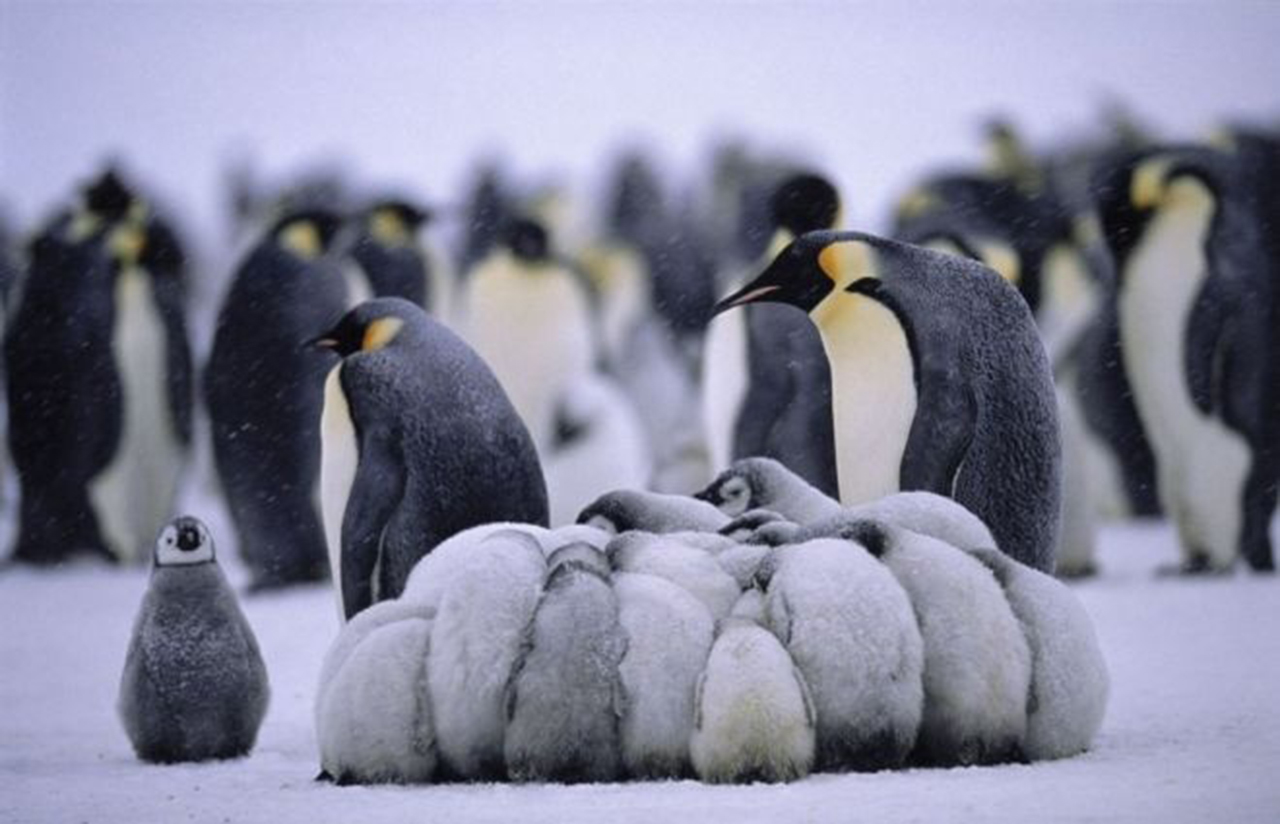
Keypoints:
(378, 487)
(940, 436)
(1202, 358)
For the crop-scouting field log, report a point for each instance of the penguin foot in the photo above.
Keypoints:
(1196, 564)
(324, 777)
(1079, 573)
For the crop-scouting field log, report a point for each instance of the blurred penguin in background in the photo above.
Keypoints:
(135, 496)
(66, 400)
(766, 387)
(394, 260)
(265, 389)
(1196, 303)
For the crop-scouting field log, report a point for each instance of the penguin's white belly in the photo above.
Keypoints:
(534, 332)
(134, 495)
(339, 458)
(873, 397)
(724, 384)
(1069, 302)
(1201, 464)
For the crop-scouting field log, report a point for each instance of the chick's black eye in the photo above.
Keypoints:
(188, 538)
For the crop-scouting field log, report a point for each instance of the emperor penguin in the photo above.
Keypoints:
(850, 628)
(194, 686)
(754, 718)
(964, 403)
(565, 698)
(669, 634)
(977, 665)
(1069, 678)
(394, 260)
(135, 494)
(764, 483)
(264, 391)
(528, 316)
(484, 611)
(419, 442)
(766, 385)
(632, 509)
(65, 411)
(373, 719)
(1197, 331)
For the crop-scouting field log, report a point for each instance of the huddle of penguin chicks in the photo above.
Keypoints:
(757, 632)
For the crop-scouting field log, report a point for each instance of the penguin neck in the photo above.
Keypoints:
(873, 397)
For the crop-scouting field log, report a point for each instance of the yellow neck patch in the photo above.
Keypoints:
(302, 238)
(380, 333)
(846, 261)
(388, 229)
(126, 243)
(1147, 188)
(1003, 258)
(916, 203)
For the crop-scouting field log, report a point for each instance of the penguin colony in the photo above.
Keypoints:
(647, 643)
(1040, 343)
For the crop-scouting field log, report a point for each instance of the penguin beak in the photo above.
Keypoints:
(322, 342)
(752, 292)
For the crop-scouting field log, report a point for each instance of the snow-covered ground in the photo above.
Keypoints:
(1192, 732)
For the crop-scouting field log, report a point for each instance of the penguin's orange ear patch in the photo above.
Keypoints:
(302, 238)
(846, 261)
(389, 229)
(380, 333)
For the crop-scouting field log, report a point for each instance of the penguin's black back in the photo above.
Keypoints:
(65, 406)
(265, 390)
(467, 457)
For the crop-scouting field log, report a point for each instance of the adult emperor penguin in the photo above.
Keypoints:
(394, 261)
(565, 697)
(419, 443)
(529, 317)
(194, 686)
(65, 409)
(264, 390)
(135, 494)
(940, 380)
(1197, 330)
(766, 386)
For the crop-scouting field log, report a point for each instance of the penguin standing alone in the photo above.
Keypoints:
(264, 391)
(1196, 293)
(940, 381)
(194, 686)
(419, 443)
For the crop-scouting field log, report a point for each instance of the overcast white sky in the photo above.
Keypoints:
(413, 92)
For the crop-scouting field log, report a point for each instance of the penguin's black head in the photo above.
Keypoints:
(804, 203)
(185, 541)
(732, 492)
(108, 197)
(527, 240)
(809, 269)
(306, 234)
(373, 325)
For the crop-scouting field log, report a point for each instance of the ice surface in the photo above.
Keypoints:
(1192, 731)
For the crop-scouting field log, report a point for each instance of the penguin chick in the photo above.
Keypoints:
(581, 552)
(754, 719)
(484, 611)
(633, 509)
(743, 561)
(669, 635)
(763, 483)
(419, 443)
(373, 720)
(963, 391)
(564, 699)
(194, 686)
(1069, 679)
(694, 570)
(849, 627)
(433, 575)
(977, 667)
